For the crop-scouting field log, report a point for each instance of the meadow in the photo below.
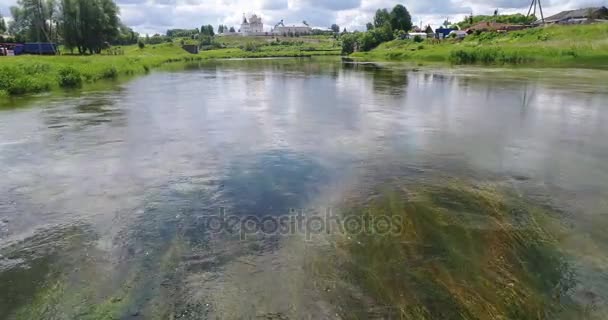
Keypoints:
(34, 74)
(576, 46)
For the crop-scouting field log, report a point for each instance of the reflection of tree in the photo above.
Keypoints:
(391, 81)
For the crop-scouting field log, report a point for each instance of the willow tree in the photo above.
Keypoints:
(89, 25)
(34, 19)
(3, 27)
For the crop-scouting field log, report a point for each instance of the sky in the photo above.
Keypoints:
(156, 16)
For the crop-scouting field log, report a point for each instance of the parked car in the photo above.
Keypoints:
(458, 34)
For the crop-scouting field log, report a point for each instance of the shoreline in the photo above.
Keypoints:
(582, 46)
(29, 75)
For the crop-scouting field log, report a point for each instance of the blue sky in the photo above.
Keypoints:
(151, 16)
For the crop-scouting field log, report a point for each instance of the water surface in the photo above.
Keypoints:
(104, 190)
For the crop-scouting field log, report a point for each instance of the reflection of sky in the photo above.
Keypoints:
(100, 156)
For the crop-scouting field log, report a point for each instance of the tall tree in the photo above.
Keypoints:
(335, 28)
(207, 30)
(3, 27)
(89, 25)
(382, 16)
(369, 26)
(34, 19)
(20, 25)
(400, 18)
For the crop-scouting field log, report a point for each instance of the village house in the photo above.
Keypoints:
(579, 16)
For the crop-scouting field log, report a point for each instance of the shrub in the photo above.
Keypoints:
(418, 39)
(27, 84)
(250, 47)
(69, 78)
(141, 44)
(109, 73)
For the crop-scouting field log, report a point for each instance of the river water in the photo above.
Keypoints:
(100, 188)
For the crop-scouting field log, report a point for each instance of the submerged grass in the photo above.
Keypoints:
(464, 252)
(583, 45)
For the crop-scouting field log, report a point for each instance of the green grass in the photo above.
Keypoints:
(585, 46)
(463, 252)
(34, 74)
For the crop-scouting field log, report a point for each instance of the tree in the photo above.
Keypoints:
(384, 33)
(232, 30)
(400, 18)
(126, 36)
(33, 19)
(89, 25)
(349, 43)
(429, 30)
(3, 27)
(382, 16)
(335, 28)
(369, 26)
(220, 29)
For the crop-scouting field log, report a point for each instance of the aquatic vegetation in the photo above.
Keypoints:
(34, 286)
(464, 252)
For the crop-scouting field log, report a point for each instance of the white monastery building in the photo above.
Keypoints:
(289, 30)
(253, 27)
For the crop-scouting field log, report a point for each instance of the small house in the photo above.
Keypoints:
(443, 33)
(11, 49)
(422, 35)
(191, 48)
(579, 16)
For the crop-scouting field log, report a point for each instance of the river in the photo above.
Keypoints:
(102, 191)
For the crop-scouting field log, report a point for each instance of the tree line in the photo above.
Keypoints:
(86, 25)
(385, 27)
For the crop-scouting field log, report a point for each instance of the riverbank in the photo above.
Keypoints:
(35, 74)
(570, 46)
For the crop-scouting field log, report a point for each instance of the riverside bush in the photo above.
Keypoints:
(69, 78)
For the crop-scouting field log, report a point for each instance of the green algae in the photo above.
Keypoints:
(463, 252)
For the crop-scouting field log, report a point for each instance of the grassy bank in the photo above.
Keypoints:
(585, 46)
(33, 74)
